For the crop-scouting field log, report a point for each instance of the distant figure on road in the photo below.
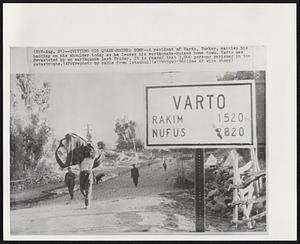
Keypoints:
(86, 174)
(135, 175)
(70, 181)
(165, 165)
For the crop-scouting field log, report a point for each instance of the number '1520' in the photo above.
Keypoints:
(231, 117)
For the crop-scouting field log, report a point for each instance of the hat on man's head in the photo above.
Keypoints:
(69, 167)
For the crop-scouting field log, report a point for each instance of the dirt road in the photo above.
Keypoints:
(117, 207)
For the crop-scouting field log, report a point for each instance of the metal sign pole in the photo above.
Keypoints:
(199, 191)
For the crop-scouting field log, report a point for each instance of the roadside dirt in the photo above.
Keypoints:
(155, 206)
(117, 207)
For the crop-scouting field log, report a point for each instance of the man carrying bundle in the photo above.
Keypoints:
(86, 174)
(73, 150)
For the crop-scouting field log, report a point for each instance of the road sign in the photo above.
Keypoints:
(204, 115)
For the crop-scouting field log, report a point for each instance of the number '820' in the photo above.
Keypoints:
(232, 131)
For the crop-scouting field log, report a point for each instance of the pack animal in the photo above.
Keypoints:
(98, 178)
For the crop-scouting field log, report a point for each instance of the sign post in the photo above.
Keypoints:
(204, 115)
(199, 190)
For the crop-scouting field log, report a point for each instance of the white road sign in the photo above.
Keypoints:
(201, 115)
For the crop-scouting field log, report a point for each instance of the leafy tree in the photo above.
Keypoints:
(243, 75)
(101, 145)
(29, 131)
(35, 98)
(126, 131)
(239, 75)
(139, 144)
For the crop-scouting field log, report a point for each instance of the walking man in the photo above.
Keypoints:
(86, 174)
(135, 175)
(70, 181)
(165, 164)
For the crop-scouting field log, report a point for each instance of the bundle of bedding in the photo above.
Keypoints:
(71, 151)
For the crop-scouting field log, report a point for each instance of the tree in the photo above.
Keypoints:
(139, 144)
(239, 75)
(126, 131)
(243, 75)
(29, 131)
(36, 98)
(101, 145)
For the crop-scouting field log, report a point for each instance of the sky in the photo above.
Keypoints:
(98, 99)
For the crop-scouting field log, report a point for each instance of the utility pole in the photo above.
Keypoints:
(88, 133)
(134, 147)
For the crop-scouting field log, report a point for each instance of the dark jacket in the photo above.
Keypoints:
(70, 178)
(134, 173)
